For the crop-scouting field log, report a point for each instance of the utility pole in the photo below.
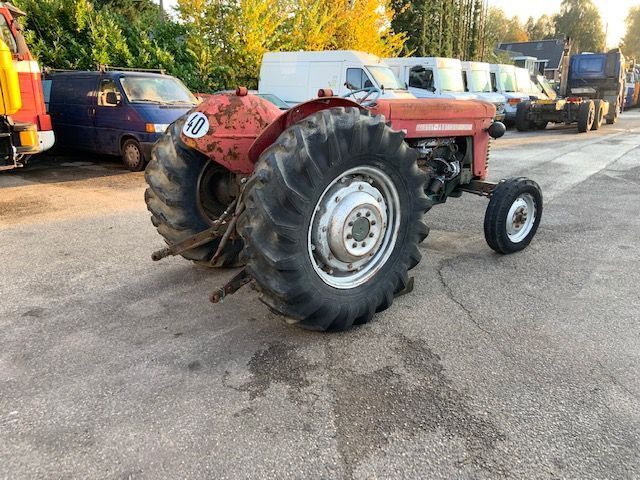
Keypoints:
(161, 5)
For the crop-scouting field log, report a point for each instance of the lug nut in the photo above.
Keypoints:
(371, 235)
(324, 229)
(368, 214)
(373, 222)
(354, 245)
(337, 199)
(313, 247)
(349, 237)
(360, 187)
(358, 214)
(350, 224)
(364, 244)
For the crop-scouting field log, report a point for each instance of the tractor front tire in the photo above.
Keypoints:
(333, 219)
(513, 215)
(586, 116)
(180, 207)
(523, 124)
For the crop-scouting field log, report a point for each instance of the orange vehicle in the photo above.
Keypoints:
(32, 117)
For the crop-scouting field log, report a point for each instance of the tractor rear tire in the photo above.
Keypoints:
(586, 116)
(523, 124)
(513, 215)
(599, 115)
(311, 208)
(174, 199)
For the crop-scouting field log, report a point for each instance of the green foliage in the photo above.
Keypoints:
(631, 41)
(446, 28)
(580, 21)
(541, 29)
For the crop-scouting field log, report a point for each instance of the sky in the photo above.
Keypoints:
(613, 13)
(613, 16)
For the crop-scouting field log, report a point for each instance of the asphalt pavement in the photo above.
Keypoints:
(521, 366)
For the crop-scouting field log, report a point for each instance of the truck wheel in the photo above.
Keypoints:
(132, 156)
(614, 113)
(513, 215)
(523, 123)
(586, 116)
(599, 115)
(333, 219)
(183, 196)
(542, 125)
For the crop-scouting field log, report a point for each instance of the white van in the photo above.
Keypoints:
(477, 80)
(296, 77)
(431, 77)
(505, 80)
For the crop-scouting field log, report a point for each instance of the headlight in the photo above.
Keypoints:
(156, 127)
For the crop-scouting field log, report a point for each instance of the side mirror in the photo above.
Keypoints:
(112, 99)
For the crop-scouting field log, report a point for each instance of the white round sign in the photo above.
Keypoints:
(196, 126)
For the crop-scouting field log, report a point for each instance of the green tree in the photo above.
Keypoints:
(542, 28)
(631, 41)
(580, 21)
(501, 28)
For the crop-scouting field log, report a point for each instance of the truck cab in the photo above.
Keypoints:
(32, 116)
(477, 80)
(431, 77)
(598, 76)
(296, 77)
(509, 81)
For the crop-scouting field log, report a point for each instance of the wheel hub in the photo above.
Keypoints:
(349, 232)
(521, 218)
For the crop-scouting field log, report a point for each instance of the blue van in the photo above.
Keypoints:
(115, 112)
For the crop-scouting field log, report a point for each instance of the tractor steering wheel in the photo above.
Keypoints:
(366, 101)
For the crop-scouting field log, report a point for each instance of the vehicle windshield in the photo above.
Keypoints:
(385, 77)
(523, 80)
(451, 80)
(160, 90)
(508, 81)
(277, 101)
(479, 81)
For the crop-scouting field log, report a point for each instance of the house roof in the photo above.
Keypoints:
(550, 50)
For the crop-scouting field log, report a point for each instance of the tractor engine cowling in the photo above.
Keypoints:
(225, 125)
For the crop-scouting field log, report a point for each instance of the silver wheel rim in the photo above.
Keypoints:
(521, 218)
(132, 153)
(354, 227)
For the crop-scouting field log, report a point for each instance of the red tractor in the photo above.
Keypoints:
(324, 203)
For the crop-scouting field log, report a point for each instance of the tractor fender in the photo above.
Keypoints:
(294, 115)
(225, 126)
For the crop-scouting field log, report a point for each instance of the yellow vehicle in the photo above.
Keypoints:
(14, 136)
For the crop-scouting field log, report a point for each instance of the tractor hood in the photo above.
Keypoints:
(434, 110)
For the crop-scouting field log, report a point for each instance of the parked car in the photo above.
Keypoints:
(431, 77)
(477, 80)
(115, 112)
(296, 77)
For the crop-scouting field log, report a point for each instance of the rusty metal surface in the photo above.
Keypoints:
(231, 287)
(235, 121)
(292, 116)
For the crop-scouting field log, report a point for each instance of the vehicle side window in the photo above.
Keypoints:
(358, 79)
(420, 77)
(107, 86)
(71, 90)
(494, 83)
(7, 36)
